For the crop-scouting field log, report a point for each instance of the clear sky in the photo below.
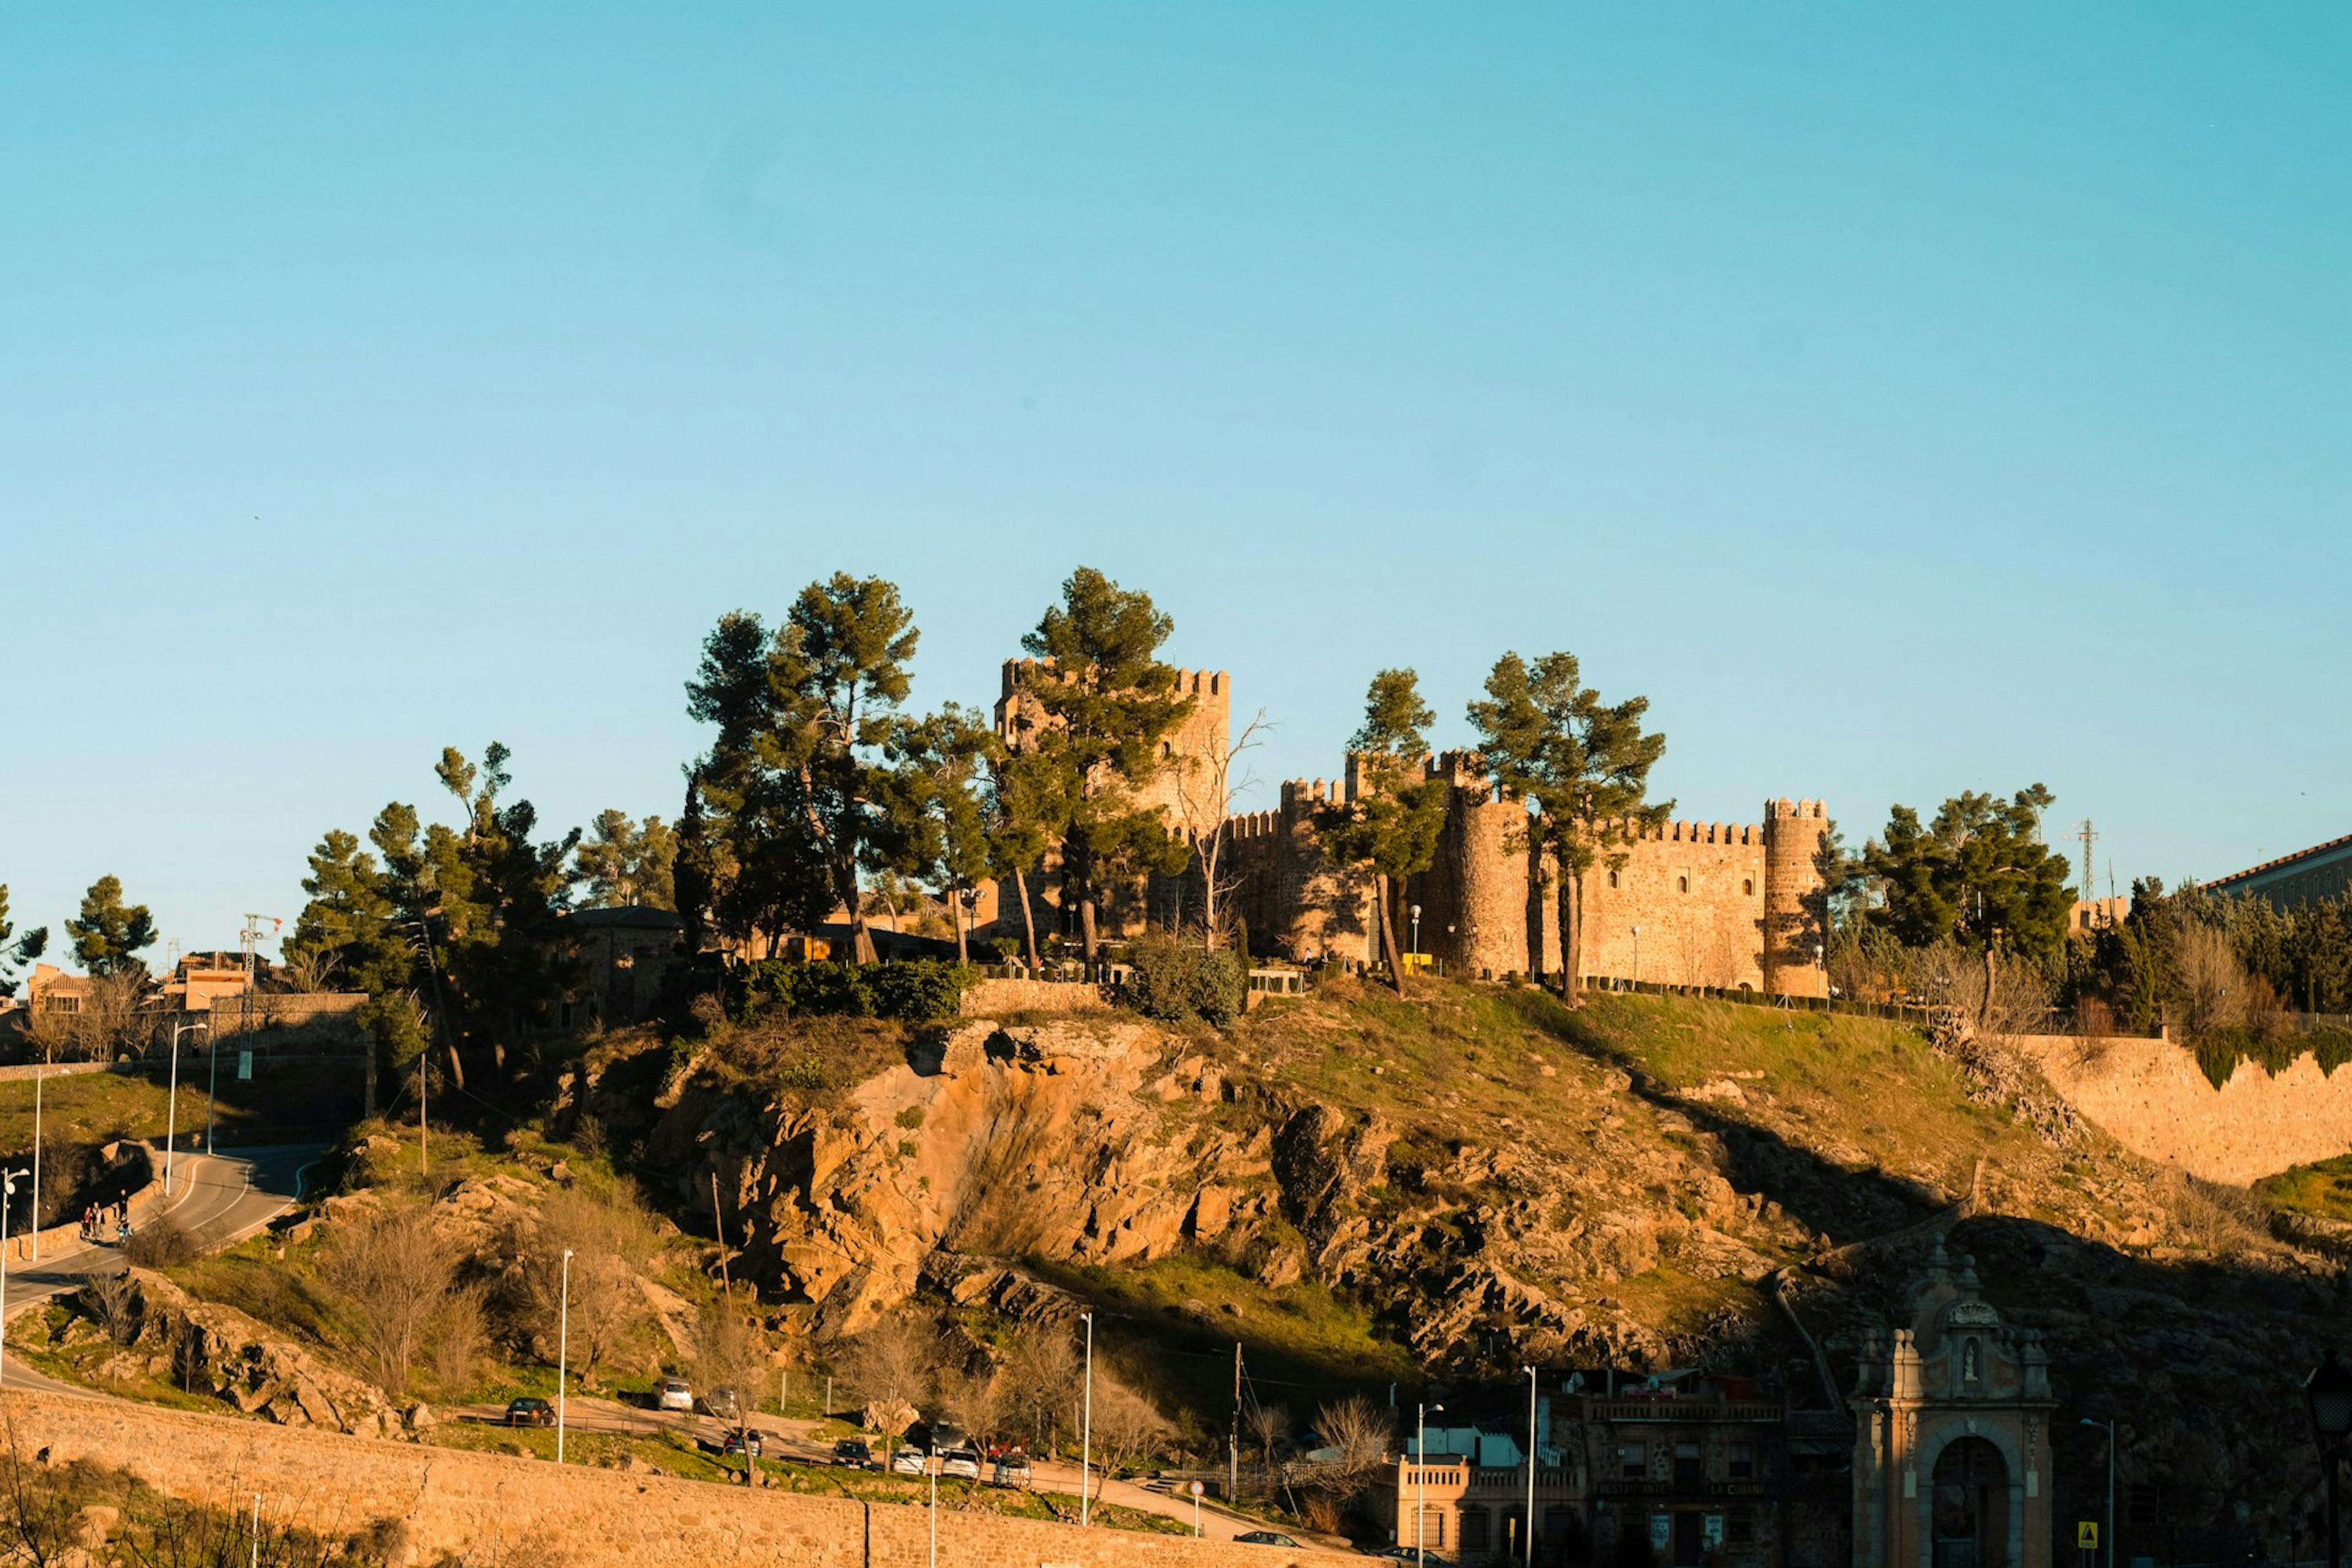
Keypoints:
(1907, 399)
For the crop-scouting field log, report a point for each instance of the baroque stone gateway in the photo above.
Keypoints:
(1730, 905)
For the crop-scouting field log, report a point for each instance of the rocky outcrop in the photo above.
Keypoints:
(200, 1345)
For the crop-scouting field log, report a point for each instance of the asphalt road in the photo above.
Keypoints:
(218, 1199)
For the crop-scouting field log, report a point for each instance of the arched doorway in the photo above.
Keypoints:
(1971, 1514)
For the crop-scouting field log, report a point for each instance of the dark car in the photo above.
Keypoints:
(732, 1443)
(851, 1452)
(530, 1413)
(1263, 1537)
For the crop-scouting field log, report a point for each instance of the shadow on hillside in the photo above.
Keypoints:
(1831, 1200)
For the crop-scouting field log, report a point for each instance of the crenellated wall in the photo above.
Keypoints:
(1693, 903)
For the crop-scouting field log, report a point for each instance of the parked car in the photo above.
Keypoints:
(1013, 1470)
(1407, 1554)
(850, 1451)
(530, 1413)
(962, 1462)
(907, 1461)
(720, 1402)
(1264, 1538)
(732, 1443)
(673, 1393)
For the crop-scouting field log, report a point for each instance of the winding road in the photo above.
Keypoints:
(218, 1199)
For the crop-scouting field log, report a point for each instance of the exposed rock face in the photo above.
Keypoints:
(206, 1345)
(1102, 1142)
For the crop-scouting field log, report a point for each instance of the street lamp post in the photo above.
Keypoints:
(1086, 1429)
(1420, 1482)
(2328, 1398)
(1529, 1538)
(1416, 931)
(563, 1350)
(7, 1192)
(2108, 1426)
(172, 1109)
(1637, 958)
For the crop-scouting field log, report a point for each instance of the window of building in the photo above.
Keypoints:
(55, 1003)
(1612, 878)
(1632, 1461)
(1746, 885)
(1682, 884)
(1687, 1464)
(1739, 1463)
(1475, 1528)
(1739, 1532)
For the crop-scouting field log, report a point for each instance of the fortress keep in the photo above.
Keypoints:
(1688, 903)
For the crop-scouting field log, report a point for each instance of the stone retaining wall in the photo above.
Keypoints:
(995, 998)
(2151, 1097)
(452, 1500)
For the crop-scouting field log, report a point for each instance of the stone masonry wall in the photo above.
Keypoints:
(2151, 1097)
(454, 1501)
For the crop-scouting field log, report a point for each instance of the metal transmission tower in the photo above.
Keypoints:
(2082, 830)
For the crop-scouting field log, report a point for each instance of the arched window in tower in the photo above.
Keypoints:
(1612, 878)
(1682, 884)
(1746, 886)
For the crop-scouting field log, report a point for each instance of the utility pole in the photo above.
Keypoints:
(1234, 1438)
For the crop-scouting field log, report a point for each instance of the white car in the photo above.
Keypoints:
(907, 1461)
(962, 1462)
(672, 1393)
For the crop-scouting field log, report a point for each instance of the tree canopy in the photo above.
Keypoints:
(109, 932)
(1390, 828)
(1105, 702)
(1581, 765)
(17, 953)
(622, 862)
(1977, 870)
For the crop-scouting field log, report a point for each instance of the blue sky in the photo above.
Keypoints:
(1905, 400)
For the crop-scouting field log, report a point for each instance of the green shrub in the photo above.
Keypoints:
(1177, 982)
(918, 993)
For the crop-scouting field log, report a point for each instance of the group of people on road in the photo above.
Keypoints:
(96, 1217)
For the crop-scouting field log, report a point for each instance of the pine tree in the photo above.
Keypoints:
(1978, 874)
(803, 719)
(1392, 827)
(1106, 702)
(349, 920)
(937, 813)
(1582, 767)
(13, 959)
(620, 863)
(110, 932)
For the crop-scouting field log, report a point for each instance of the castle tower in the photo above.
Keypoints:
(1792, 933)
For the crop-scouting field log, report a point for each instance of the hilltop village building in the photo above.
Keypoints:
(1730, 905)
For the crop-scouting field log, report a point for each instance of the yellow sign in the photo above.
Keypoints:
(2086, 1536)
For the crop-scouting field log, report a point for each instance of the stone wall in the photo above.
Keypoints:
(451, 1501)
(2151, 1097)
(996, 998)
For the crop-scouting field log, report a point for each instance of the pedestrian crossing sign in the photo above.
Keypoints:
(2087, 1534)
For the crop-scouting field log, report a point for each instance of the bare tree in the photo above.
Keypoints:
(1357, 1431)
(604, 1236)
(732, 1357)
(1206, 789)
(310, 969)
(113, 1301)
(390, 1273)
(896, 1360)
(2213, 989)
(1268, 1424)
(1126, 1426)
(1043, 1370)
(975, 1401)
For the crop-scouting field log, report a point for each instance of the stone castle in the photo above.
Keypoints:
(1692, 904)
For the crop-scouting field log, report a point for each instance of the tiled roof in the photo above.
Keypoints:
(2282, 861)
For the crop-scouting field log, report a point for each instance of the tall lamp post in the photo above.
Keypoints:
(1530, 1536)
(2108, 1427)
(172, 1110)
(2327, 1396)
(1416, 931)
(563, 1352)
(1087, 1430)
(1420, 1482)
(7, 1192)
(1637, 958)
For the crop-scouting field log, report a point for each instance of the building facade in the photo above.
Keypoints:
(2307, 876)
(1951, 1459)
